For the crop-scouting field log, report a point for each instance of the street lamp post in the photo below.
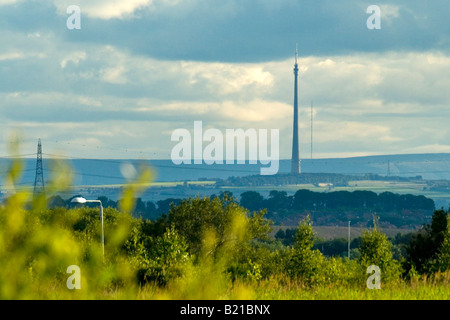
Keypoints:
(83, 200)
(349, 240)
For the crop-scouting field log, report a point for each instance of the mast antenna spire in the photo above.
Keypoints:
(295, 161)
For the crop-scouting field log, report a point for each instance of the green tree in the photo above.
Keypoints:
(304, 199)
(222, 218)
(165, 260)
(426, 244)
(333, 247)
(107, 203)
(305, 262)
(164, 205)
(278, 201)
(56, 202)
(252, 200)
(376, 249)
(444, 250)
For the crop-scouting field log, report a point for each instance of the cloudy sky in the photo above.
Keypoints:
(139, 69)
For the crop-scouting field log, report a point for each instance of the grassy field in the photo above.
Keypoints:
(283, 288)
(414, 291)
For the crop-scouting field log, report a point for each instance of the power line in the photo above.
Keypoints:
(18, 156)
(6, 172)
(190, 167)
(215, 169)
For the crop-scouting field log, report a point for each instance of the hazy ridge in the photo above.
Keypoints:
(108, 171)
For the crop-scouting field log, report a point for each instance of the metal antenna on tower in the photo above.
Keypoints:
(39, 178)
(295, 162)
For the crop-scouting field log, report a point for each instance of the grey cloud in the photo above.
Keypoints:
(150, 50)
(248, 31)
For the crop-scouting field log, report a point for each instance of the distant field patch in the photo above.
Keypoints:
(154, 184)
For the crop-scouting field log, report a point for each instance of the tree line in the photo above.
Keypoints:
(416, 249)
(305, 199)
(324, 208)
(336, 179)
(338, 207)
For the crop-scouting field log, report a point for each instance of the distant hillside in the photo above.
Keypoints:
(107, 171)
(429, 166)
